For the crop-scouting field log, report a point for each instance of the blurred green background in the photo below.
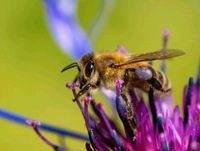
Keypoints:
(30, 61)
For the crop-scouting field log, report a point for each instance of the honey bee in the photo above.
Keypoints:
(102, 70)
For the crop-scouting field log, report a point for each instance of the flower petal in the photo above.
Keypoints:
(49, 128)
(61, 17)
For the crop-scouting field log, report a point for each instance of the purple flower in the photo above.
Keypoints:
(158, 127)
(158, 124)
(35, 125)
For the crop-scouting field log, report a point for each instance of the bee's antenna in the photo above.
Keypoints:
(72, 65)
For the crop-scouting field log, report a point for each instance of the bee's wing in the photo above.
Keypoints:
(151, 56)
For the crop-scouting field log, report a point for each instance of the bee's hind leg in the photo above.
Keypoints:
(157, 85)
(149, 75)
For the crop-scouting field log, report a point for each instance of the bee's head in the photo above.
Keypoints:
(87, 70)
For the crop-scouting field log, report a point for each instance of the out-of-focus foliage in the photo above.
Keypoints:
(30, 61)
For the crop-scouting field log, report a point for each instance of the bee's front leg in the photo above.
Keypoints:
(84, 90)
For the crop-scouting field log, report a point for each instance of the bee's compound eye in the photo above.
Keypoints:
(89, 68)
(144, 74)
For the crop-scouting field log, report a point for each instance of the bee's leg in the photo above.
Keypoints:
(129, 107)
(148, 74)
(84, 90)
(126, 77)
(157, 85)
(130, 115)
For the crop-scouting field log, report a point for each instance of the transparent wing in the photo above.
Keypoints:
(151, 56)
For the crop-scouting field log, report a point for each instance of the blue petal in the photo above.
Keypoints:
(61, 17)
(49, 128)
